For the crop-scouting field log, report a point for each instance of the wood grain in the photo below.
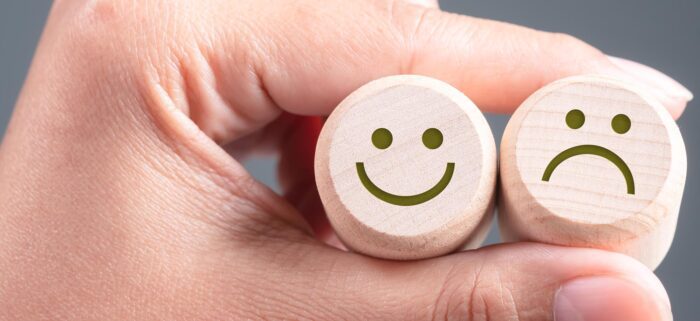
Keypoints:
(588, 200)
(407, 107)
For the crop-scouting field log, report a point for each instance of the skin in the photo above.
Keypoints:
(122, 195)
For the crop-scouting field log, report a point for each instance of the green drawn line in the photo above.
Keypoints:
(591, 150)
(405, 200)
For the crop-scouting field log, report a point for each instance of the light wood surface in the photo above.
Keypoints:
(623, 194)
(429, 192)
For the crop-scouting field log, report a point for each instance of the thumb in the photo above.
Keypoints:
(526, 282)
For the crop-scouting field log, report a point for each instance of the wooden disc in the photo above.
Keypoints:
(593, 162)
(406, 169)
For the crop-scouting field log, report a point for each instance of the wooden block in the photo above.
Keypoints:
(406, 169)
(591, 161)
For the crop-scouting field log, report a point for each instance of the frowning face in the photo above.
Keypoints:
(575, 119)
(590, 161)
(403, 158)
(594, 152)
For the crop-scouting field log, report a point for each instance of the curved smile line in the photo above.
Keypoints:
(591, 150)
(409, 200)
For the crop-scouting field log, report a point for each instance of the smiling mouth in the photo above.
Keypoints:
(408, 200)
(591, 150)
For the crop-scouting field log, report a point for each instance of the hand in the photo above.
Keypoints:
(119, 201)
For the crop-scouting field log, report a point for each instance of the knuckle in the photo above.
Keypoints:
(114, 32)
(476, 294)
(413, 25)
(416, 22)
(458, 294)
(98, 39)
(97, 20)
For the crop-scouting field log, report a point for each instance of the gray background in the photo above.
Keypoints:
(663, 34)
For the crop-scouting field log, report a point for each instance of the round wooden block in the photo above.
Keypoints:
(590, 161)
(406, 169)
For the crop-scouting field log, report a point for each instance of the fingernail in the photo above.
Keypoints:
(668, 92)
(603, 298)
(653, 78)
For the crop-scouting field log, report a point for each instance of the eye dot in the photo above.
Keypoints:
(621, 123)
(432, 138)
(575, 119)
(381, 138)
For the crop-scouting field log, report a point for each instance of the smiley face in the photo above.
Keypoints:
(405, 167)
(591, 161)
(382, 139)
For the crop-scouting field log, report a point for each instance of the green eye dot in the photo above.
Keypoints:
(621, 123)
(575, 119)
(381, 138)
(432, 138)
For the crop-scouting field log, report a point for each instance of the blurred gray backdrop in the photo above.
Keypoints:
(662, 34)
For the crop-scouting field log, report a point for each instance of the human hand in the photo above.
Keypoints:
(117, 200)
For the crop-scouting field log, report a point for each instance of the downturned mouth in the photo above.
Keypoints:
(408, 200)
(591, 150)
